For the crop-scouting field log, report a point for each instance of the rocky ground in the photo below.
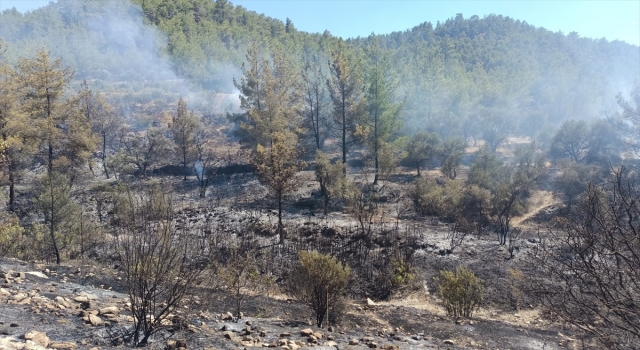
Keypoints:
(84, 307)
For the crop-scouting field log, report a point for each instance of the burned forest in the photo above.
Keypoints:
(190, 174)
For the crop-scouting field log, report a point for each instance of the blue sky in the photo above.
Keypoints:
(613, 20)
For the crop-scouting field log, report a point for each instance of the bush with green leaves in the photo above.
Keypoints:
(401, 274)
(319, 281)
(460, 291)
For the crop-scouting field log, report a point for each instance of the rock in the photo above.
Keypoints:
(37, 274)
(81, 299)
(181, 343)
(330, 329)
(113, 310)
(233, 327)
(248, 323)
(4, 292)
(317, 335)
(94, 320)
(229, 335)
(353, 342)
(62, 301)
(285, 335)
(171, 344)
(370, 302)
(66, 345)
(449, 342)
(19, 297)
(471, 323)
(228, 316)
(331, 343)
(372, 345)
(306, 332)
(390, 347)
(312, 339)
(40, 338)
(89, 296)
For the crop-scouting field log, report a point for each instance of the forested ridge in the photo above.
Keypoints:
(205, 153)
(477, 72)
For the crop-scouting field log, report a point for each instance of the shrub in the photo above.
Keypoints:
(159, 261)
(460, 291)
(401, 274)
(319, 280)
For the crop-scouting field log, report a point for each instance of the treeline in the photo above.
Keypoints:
(487, 78)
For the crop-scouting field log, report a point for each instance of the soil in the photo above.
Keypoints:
(411, 320)
(415, 321)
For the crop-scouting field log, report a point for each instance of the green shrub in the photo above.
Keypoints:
(401, 274)
(319, 280)
(460, 291)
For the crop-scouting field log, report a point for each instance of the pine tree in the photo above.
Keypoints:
(270, 96)
(314, 95)
(183, 129)
(63, 132)
(277, 166)
(384, 115)
(345, 90)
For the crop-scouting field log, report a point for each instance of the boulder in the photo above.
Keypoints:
(449, 342)
(317, 335)
(37, 274)
(81, 299)
(370, 302)
(229, 335)
(40, 338)
(113, 310)
(62, 301)
(94, 320)
(306, 332)
(353, 342)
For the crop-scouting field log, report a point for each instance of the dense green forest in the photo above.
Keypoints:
(486, 77)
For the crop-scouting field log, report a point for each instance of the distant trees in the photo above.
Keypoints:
(629, 119)
(451, 152)
(584, 143)
(421, 149)
(142, 149)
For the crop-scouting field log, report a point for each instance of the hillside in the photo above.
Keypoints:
(459, 77)
(190, 169)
